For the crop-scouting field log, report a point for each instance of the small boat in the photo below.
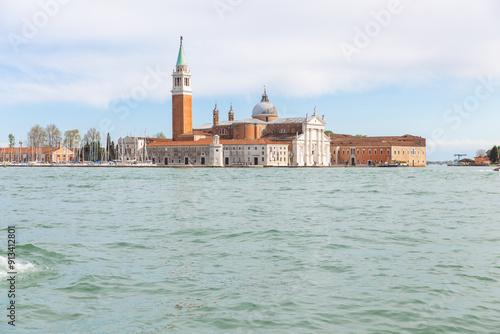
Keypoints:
(497, 169)
(396, 163)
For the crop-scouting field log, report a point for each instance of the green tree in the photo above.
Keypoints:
(37, 137)
(328, 132)
(53, 135)
(112, 149)
(12, 140)
(110, 146)
(92, 144)
(72, 138)
(160, 135)
(493, 154)
(360, 136)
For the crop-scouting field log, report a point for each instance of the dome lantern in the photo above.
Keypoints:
(264, 110)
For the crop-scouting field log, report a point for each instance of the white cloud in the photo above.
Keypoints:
(93, 52)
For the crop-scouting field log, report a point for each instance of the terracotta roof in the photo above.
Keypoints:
(280, 136)
(201, 133)
(149, 140)
(406, 140)
(201, 142)
(30, 150)
(339, 135)
(206, 126)
(244, 121)
(294, 120)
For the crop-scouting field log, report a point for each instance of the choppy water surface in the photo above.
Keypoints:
(364, 250)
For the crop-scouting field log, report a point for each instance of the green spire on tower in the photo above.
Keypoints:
(181, 59)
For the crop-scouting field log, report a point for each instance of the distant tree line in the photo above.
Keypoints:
(89, 148)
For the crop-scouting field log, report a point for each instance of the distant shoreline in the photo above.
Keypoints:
(179, 166)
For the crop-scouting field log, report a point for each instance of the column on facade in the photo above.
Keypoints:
(323, 162)
(310, 149)
(306, 146)
(314, 140)
(311, 158)
(304, 150)
(320, 149)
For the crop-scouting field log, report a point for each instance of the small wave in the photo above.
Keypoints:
(20, 267)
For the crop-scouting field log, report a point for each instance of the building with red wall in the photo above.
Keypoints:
(407, 150)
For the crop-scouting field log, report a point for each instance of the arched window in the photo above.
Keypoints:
(263, 131)
(282, 131)
(293, 130)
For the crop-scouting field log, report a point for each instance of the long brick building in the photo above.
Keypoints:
(404, 150)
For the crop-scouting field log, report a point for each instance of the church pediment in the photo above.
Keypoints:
(315, 120)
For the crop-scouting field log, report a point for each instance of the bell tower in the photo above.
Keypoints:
(182, 110)
(231, 114)
(216, 116)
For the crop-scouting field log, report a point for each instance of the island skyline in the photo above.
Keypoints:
(86, 78)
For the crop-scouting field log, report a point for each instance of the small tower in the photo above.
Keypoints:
(216, 116)
(216, 153)
(231, 114)
(265, 98)
(182, 110)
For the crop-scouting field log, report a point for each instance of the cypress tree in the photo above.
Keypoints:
(493, 154)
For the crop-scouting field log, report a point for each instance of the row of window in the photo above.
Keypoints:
(239, 159)
(353, 151)
(154, 152)
(239, 148)
(241, 153)
(186, 161)
(281, 131)
(375, 151)
(186, 148)
(364, 161)
(228, 148)
(413, 152)
(178, 82)
(224, 131)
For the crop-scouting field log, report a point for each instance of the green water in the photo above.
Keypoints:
(363, 250)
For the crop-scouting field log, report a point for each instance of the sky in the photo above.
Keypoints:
(377, 68)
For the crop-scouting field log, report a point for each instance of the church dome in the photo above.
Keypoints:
(264, 107)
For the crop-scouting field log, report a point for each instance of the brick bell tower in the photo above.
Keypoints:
(182, 110)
